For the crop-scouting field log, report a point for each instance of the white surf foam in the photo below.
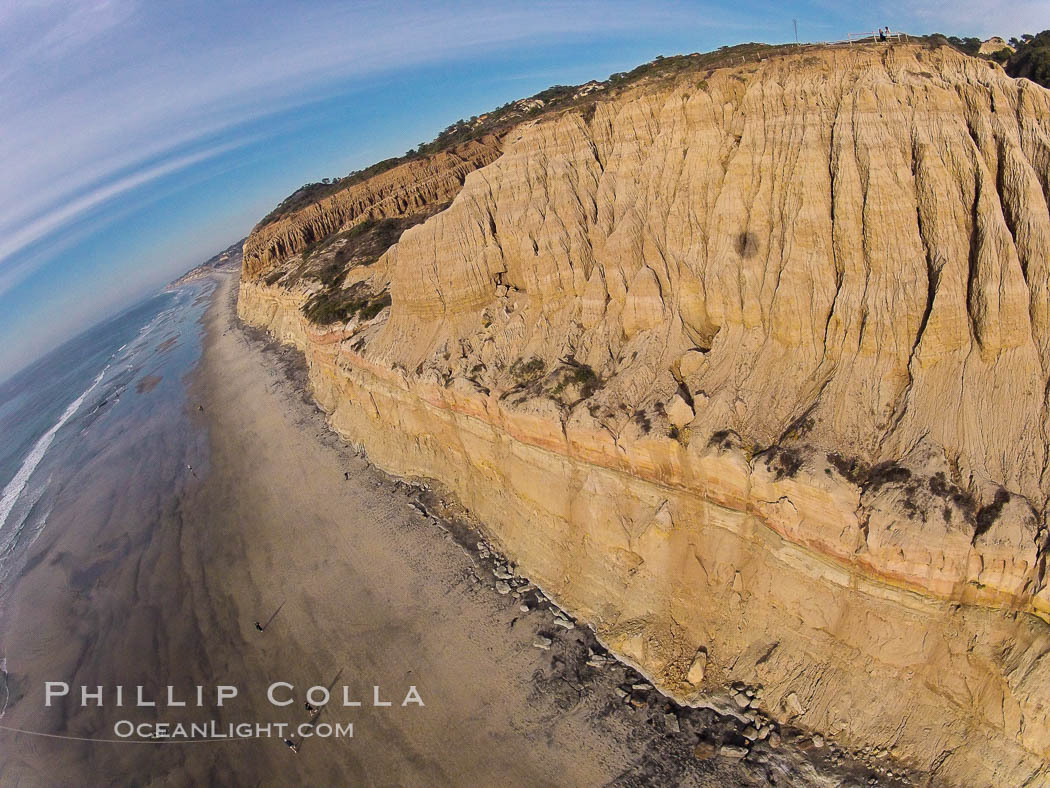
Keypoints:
(6, 688)
(14, 488)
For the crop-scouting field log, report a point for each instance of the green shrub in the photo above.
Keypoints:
(588, 381)
(374, 307)
(555, 99)
(524, 371)
(339, 306)
(1032, 59)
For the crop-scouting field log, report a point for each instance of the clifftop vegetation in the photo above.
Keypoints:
(1032, 59)
(554, 99)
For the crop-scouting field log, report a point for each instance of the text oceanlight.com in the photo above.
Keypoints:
(126, 729)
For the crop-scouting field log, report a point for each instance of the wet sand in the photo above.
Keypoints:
(261, 509)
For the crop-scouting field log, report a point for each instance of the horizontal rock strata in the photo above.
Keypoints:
(750, 373)
(405, 189)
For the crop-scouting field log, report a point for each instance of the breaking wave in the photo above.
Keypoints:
(14, 488)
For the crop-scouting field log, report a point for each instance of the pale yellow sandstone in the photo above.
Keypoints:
(843, 257)
(407, 188)
(695, 676)
(679, 412)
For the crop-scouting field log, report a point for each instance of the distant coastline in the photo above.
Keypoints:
(229, 259)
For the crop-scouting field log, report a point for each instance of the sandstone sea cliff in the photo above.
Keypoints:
(748, 368)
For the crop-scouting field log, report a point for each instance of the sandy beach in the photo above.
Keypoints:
(260, 514)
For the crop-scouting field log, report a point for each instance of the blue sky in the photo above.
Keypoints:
(139, 136)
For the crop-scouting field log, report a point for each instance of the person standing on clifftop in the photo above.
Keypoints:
(883, 32)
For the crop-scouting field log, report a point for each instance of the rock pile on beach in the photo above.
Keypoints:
(766, 341)
(728, 724)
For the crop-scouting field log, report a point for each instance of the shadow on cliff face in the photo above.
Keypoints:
(747, 245)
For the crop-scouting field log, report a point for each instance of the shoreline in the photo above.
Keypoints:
(665, 577)
(356, 579)
(707, 727)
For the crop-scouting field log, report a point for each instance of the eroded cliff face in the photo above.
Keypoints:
(750, 371)
(408, 188)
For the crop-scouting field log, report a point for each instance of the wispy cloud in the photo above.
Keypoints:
(74, 209)
(107, 102)
(97, 88)
(981, 18)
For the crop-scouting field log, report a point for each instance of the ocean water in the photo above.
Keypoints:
(88, 390)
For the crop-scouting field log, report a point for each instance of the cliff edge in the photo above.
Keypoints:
(747, 367)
